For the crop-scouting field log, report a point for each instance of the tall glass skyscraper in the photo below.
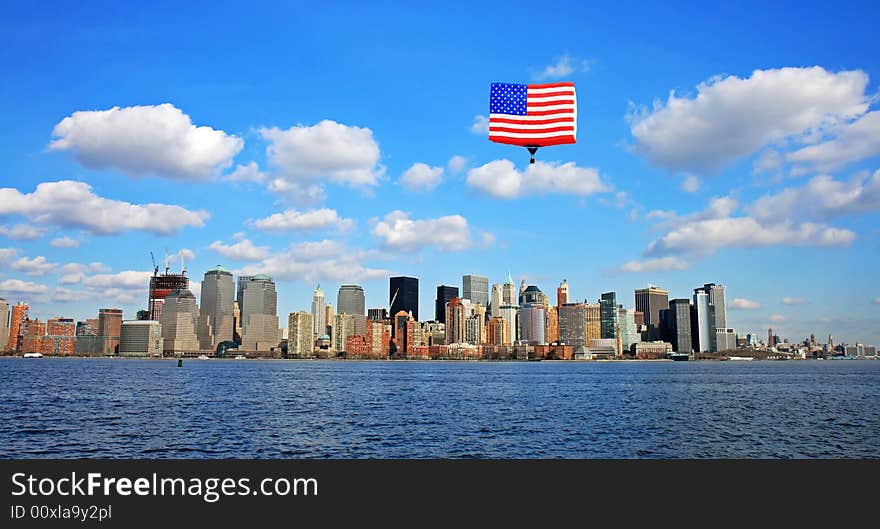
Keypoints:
(350, 300)
(608, 314)
(475, 288)
(403, 295)
(259, 313)
(444, 295)
(217, 306)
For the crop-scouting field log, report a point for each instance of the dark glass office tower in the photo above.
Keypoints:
(403, 294)
(676, 325)
(608, 314)
(444, 294)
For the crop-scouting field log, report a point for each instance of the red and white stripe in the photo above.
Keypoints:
(551, 118)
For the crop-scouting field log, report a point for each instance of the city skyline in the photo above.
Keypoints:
(773, 190)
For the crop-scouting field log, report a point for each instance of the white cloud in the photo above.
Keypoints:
(793, 301)
(856, 141)
(480, 125)
(421, 177)
(247, 173)
(16, 286)
(329, 150)
(564, 66)
(38, 266)
(126, 280)
(22, 232)
(690, 184)
(399, 232)
(297, 193)
(243, 250)
(744, 304)
(73, 273)
(457, 164)
(316, 261)
(501, 179)
(293, 220)
(70, 204)
(877, 300)
(659, 264)
(7, 254)
(66, 295)
(146, 140)
(822, 197)
(708, 236)
(732, 117)
(64, 242)
(777, 318)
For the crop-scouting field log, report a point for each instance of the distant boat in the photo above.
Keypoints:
(741, 358)
(240, 357)
(202, 357)
(680, 357)
(32, 355)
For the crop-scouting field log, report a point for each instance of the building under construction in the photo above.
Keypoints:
(162, 285)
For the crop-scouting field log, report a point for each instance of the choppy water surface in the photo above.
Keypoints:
(275, 409)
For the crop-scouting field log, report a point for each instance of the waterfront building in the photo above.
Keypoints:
(725, 339)
(141, 338)
(651, 350)
(160, 287)
(475, 288)
(319, 312)
(60, 337)
(533, 320)
(497, 331)
(677, 325)
(180, 316)
(404, 333)
(4, 324)
(717, 315)
(350, 300)
(329, 318)
(454, 318)
(343, 327)
(217, 308)
(32, 332)
(701, 321)
(510, 314)
(508, 292)
(608, 314)
(16, 318)
(572, 324)
(552, 332)
(650, 301)
(629, 332)
(378, 338)
(475, 329)
(403, 295)
(300, 335)
(562, 293)
(109, 329)
(444, 295)
(259, 314)
(592, 322)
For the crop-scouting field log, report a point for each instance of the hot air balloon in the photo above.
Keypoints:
(533, 115)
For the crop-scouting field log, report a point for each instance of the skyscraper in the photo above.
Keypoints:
(454, 318)
(572, 324)
(701, 325)
(4, 324)
(495, 302)
(629, 332)
(259, 314)
(319, 311)
(109, 330)
(444, 295)
(532, 323)
(677, 325)
(140, 338)
(180, 316)
(508, 292)
(592, 322)
(608, 314)
(651, 301)
(717, 317)
(475, 288)
(562, 293)
(350, 300)
(217, 307)
(160, 287)
(403, 295)
(300, 335)
(509, 313)
(19, 314)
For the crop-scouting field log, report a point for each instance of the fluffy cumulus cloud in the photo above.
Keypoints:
(126, 280)
(37, 266)
(501, 179)
(744, 304)
(457, 164)
(70, 204)
(7, 255)
(480, 125)
(821, 198)
(422, 177)
(564, 66)
(304, 221)
(297, 193)
(855, 141)
(397, 231)
(73, 273)
(731, 117)
(22, 232)
(246, 173)
(657, 264)
(64, 242)
(690, 184)
(317, 261)
(243, 250)
(146, 140)
(17, 286)
(328, 151)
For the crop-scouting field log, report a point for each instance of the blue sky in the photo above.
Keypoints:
(738, 145)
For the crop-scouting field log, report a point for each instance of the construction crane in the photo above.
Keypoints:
(391, 304)
(155, 266)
